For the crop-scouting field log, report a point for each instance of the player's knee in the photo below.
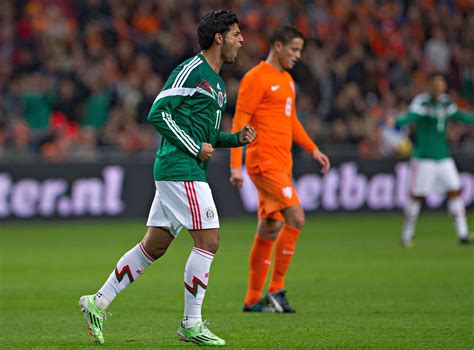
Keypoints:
(213, 248)
(210, 245)
(268, 229)
(296, 221)
(299, 223)
(269, 235)
(416, 198)
(155, 252)
(454, 194)
(274, 229)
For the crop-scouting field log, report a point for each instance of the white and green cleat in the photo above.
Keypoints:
(199, 334)
(94, 316)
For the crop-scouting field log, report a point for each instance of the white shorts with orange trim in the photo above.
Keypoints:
(433, 176)
(183, 204)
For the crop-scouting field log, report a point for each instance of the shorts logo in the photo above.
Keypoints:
(287, 192)
(210, 215)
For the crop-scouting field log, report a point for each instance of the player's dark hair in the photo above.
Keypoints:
(212, 23)
(285, 34)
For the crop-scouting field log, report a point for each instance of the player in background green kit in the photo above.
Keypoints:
(187, 113)
(431, 167)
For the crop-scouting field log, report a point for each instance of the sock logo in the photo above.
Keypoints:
(125, 271)
(194, 289)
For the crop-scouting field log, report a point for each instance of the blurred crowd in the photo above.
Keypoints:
(77, 77)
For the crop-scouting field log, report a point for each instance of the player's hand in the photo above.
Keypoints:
(390, 121)
(247, 134)
(206, 151)
(322, 159)
(236, 177)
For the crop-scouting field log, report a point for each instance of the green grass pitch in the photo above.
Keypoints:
(352, 284)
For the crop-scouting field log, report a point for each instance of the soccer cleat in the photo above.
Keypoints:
(280, 302)
(263, 306)
(94, 317)
(467, 240)
(408, 243)
(199, 334)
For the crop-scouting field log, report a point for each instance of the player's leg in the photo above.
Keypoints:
(411, 210)
(422, 177)
(199, 215)
(129, 267)
(270, 202)
(196, 273)
(133, 263)
(457, 211)
(260, 263)
(278, 201)
(284, 251)
(451, 183)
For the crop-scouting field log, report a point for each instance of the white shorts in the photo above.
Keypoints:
(433, 176)
(179, 204)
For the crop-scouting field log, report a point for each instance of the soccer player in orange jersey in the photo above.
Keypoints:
(266, 100)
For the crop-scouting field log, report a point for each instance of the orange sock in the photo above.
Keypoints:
(260, 262)
(284, 250)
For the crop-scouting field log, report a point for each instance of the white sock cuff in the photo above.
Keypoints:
(204, 253)
(144, 253)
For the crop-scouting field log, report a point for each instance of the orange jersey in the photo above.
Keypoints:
(266, 100)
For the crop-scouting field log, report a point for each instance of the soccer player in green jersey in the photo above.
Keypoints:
(187, 113)
(431, 167)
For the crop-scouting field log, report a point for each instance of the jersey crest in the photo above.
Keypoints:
(207, 89)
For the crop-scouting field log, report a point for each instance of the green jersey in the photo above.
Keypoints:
(188, 112)
(430, 117)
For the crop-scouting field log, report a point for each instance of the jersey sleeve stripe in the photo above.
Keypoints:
(452, 109)
(204, 92)
(418, 109)
(183, 78)
(175, 92)
(416, 106)
(180, 134)
(185, 69)
(186, 66)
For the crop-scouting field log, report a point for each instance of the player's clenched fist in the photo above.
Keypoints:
(247, 134)
(206, 151)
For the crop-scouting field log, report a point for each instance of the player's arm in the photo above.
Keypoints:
(164, 122)
(415, 111)
(463, 116)
(406, 119)
(302, 139)
(236, 154)
(238, 139)
(162, 117)
(250, 94)
(240, 120)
